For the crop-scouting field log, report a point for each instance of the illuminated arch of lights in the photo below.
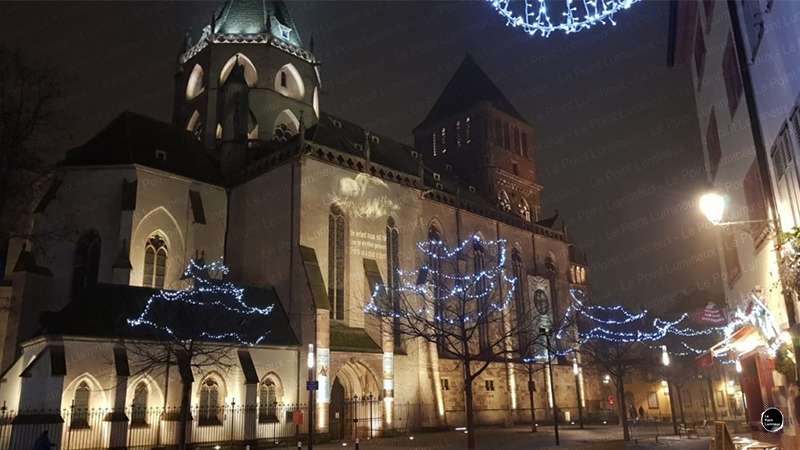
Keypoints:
(543, 17)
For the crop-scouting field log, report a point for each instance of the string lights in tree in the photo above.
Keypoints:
(212, 309)
(543, 17)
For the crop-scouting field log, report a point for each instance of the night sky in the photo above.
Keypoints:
(617, 148)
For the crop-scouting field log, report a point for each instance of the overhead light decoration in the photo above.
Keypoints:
(543, 17)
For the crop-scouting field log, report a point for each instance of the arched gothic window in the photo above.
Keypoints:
(481, 290)
(523, 313)
(139, 404)
(393, 272)
(503, 201)
(288, 82)
(250, 73)
(267, 402)
(210, 409)
(524, 210)
(155, 262)
(194, 86)
(86, 263)
(286, 126)
(434, 271)
(337, 244)
(80, 406)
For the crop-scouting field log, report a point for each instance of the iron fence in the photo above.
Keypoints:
(146, 428)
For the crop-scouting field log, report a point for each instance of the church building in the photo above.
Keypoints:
(310, 212)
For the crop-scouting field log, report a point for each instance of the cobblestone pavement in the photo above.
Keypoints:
(519, 438)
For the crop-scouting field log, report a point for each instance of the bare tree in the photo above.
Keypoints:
(196, 330)
(29, 93)
(618, 359)
(462, 301)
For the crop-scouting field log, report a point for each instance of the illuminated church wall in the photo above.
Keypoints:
(163, 209)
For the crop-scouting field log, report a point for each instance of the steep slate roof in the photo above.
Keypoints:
(469, 86)
(251, 17)
(104, 310)
(133, 138)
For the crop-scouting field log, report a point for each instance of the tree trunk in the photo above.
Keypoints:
(623, 413)
(183, 420)
(470, 418)
(531, 392)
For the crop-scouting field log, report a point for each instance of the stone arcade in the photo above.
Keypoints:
(308, 210)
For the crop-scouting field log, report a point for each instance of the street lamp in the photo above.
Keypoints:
(712, 206)
(311, 389)
(576, 370)
(665, 362)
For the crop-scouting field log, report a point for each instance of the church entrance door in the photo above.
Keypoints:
(338, 411)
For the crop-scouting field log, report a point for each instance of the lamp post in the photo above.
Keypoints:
(665, 362)
(310, 362)
(576, 370)
(546, 333)
(541, 303)
(532, 392)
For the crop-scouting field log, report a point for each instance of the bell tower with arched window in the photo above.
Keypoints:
(248, 69)
(473, 125)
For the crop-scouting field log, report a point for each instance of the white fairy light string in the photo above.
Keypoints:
(205, 292)
(570, 16)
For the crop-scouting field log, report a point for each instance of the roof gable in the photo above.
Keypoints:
(469, 86)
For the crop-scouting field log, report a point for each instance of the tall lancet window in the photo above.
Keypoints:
(481, 288)
(435, 271)
(337, 245)
(523, 314)
(393, 272)
(155, 262)
(86, 263)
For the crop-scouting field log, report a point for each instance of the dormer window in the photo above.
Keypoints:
(375, 139)
(161, 155)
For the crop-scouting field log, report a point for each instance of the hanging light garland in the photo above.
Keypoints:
(219, 297)
(543, 17)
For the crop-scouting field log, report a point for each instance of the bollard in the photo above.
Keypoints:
(299, 444)
(356, 443)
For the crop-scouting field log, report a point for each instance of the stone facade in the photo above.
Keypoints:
(307, 212)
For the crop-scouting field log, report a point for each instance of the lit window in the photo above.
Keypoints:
(458, 133)
(434, 144)
(467, 130)
(210, 409)
(155, 262)
(268, 402)
(139, 405)
(80, 406)
(336, 261)
(444, 140)
(393, 273)
(504, 201)
(524, 210)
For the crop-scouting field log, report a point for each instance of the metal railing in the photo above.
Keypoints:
(145, 428)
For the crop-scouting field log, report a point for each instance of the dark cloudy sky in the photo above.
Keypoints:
(617, 143)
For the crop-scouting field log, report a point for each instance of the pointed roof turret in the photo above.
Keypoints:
(469, 86)
(256, 17)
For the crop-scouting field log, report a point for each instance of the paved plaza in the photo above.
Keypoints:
(519, 438)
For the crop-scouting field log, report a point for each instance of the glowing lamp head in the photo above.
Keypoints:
(664, 383)
(664, 355)
(712, 205)
(738, 366)
(310, 360)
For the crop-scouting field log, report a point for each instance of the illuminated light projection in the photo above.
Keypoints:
(220, 299)
(364, 196)
(543, 17)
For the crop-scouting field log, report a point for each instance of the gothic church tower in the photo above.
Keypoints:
(247, 81)
(474, 132)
